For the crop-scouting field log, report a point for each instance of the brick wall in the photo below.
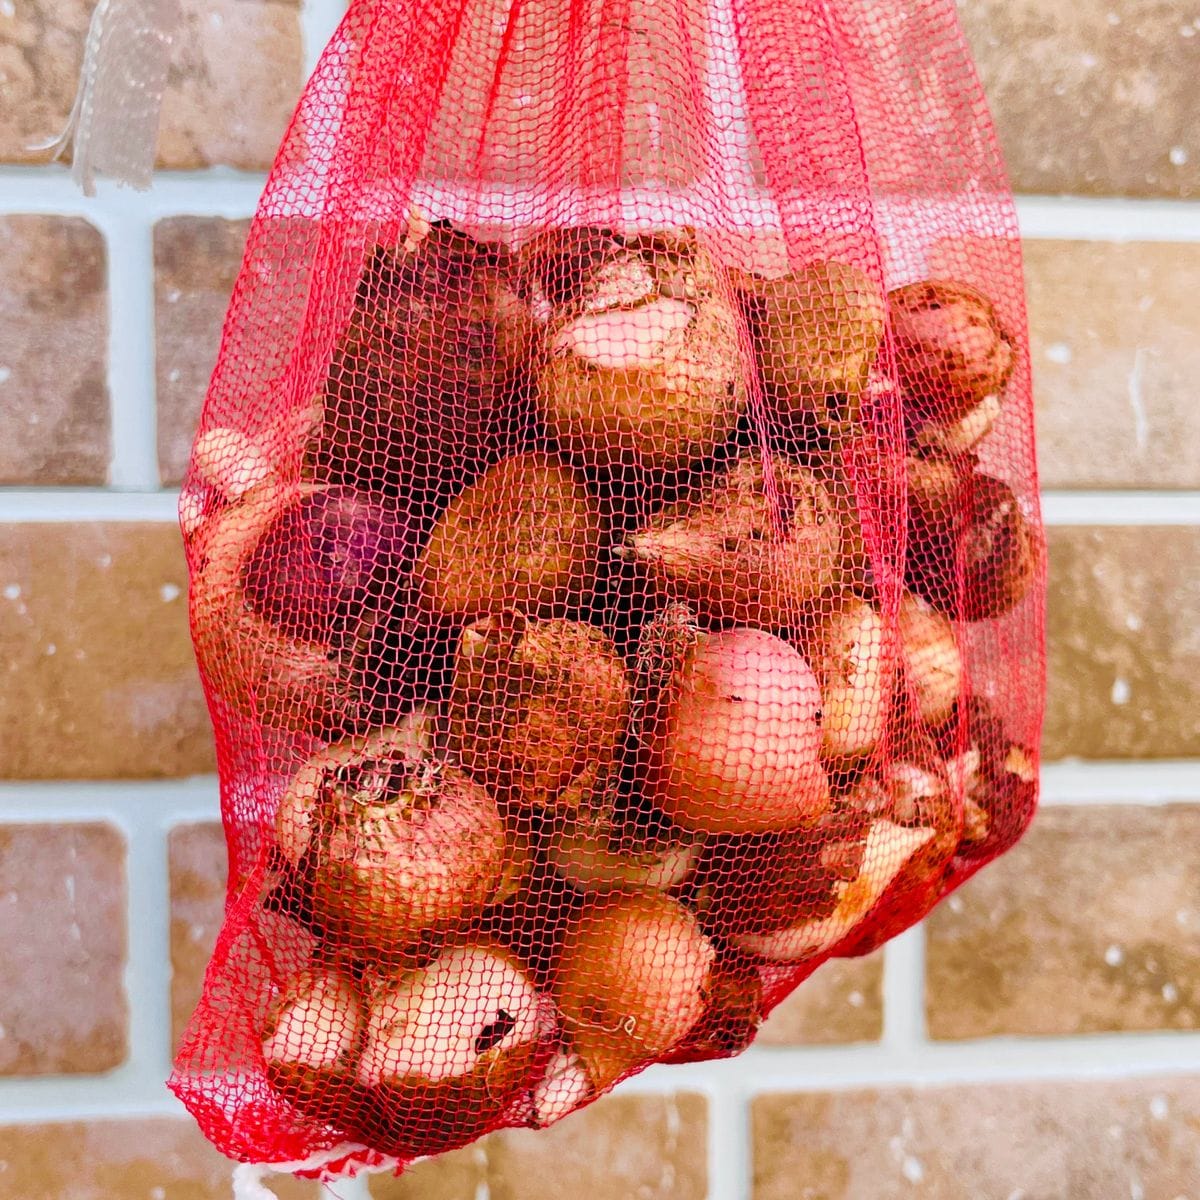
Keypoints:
(1038, 1036)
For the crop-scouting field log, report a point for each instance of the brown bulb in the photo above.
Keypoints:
(951, 350)
(817, 336)
(972, 553)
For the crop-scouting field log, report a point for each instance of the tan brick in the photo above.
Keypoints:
(235, 76)
(1091, 924)
(1092, 98)
(54, 421)
(1124, 642)
(142, 1159)
(196, 261)
(1115, 341)
(62, 943)
(41, 48)
(841, 1002)
(650, 1147)
(100, 679)
(198, 871)
(1050, 1141)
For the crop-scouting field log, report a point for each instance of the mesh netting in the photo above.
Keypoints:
(616, 568)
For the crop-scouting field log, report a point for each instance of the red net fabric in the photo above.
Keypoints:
(616, 566)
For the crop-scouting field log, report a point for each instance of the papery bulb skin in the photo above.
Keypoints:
(631, 981)
(450, 1047)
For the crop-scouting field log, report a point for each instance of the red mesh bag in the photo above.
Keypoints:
(616, 570)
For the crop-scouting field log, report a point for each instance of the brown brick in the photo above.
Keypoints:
(100, 677)
(1092, 98)
(1049, 1141)
(62, 943)
(53, 351)
(235, 76)
(841, 1002)
(1091, 924)
(650, 1147)
(198, 871)
(142, 1159)
(1124, 650)
(196, 261)
(1115, 341)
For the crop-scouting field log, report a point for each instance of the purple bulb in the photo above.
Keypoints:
(325, 563)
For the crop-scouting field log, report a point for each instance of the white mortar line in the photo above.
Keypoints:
(130, 803)
(904, 991)
(729, 1138)
(87, 504)
(358, 1188)
(218, 192)
(758, 1071)
(1121, 508)
(1058, 507)
(131, 384)
(179, 801)
(1068, 783)
(992, 1060)
(1109, 218)
(221, 191)
(1114, 782)
(148, 967)
(67, 1098)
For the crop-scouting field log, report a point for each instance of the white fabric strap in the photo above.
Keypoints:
(249, 1179)
(113, 126)
(248, 1182)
